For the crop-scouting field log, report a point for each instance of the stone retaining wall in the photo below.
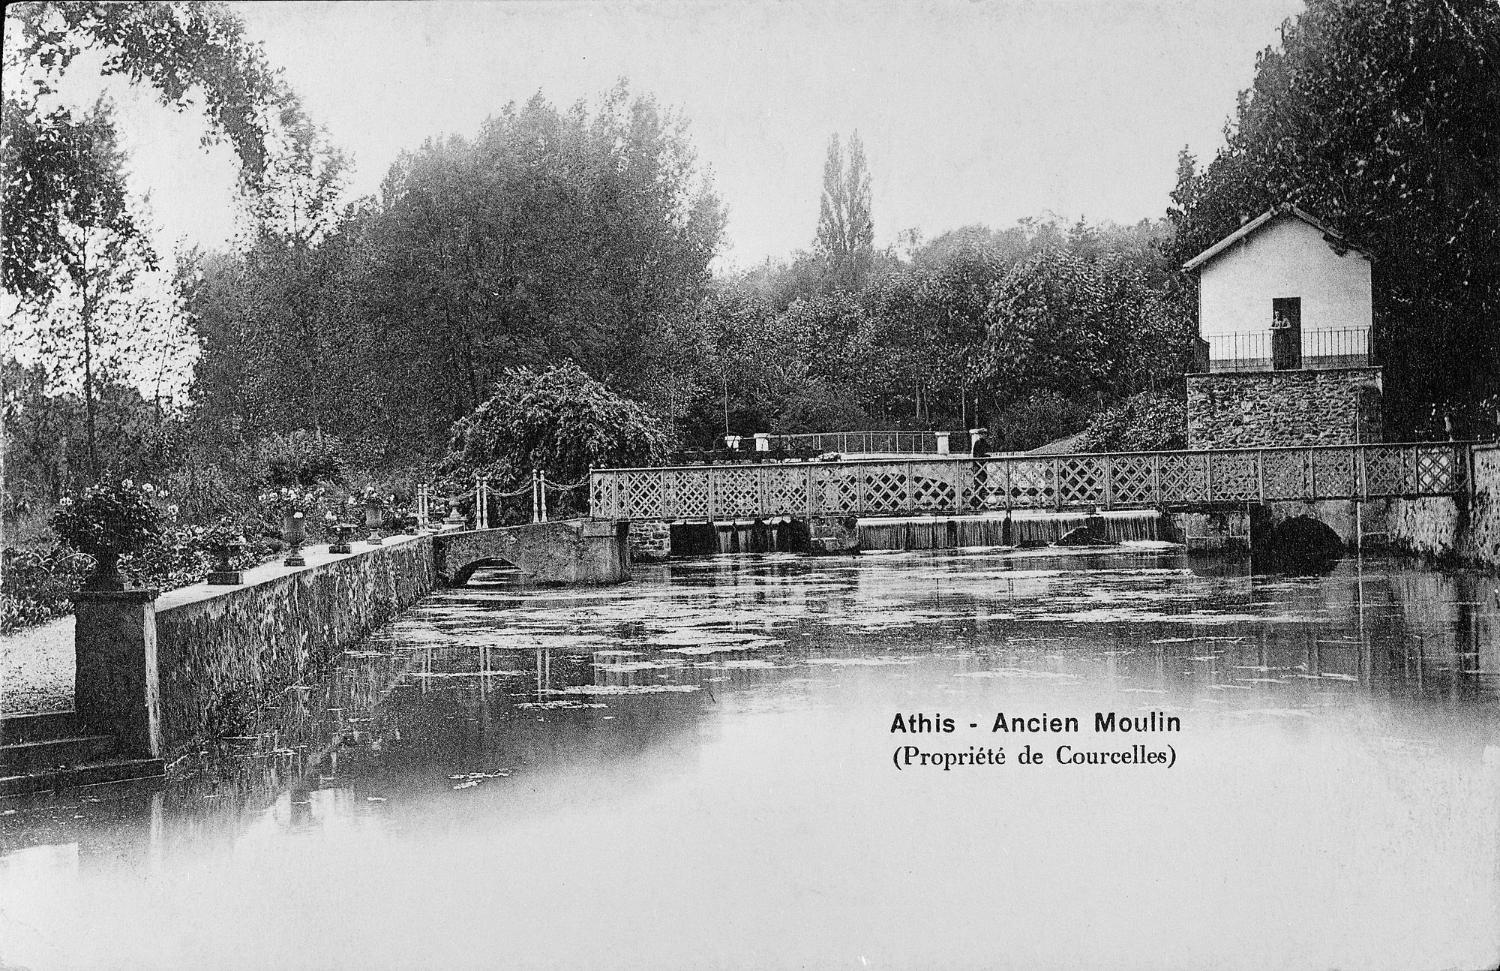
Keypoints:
(1274, 409)
(226, 651)
(1466, 529)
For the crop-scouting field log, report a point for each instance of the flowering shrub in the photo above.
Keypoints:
(372, 497)
(289, 499)
(120, 517)
(222, 535)
(184, 556)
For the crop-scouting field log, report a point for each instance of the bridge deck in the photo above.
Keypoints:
(961, 485)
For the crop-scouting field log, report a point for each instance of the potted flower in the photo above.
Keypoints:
(106, 522)
(292, 505)
(375, 505)
(343, 532)
(224, 541)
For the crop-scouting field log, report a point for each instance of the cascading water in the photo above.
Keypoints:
(1027, 529)
(747, 536)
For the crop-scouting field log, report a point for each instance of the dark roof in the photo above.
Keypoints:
(1254, 225)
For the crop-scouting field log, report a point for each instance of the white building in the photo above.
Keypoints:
(1283, 291)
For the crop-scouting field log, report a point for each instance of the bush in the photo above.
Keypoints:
(301, 458)
(38, 585)
(560, 421)
(1034, 421)
(1152, 421)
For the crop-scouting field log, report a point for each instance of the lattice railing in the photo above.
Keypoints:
(1125, 480)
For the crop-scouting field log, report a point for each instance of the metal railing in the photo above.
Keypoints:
(484, 506)
(891, 442)
(963, 485)
(1268, 350)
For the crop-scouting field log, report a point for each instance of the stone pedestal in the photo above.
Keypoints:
(116, 691)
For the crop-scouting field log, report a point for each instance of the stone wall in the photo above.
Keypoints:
(1466, 529)
(649, 541)
(1484, 511)
(221, 652)
(1284, 408)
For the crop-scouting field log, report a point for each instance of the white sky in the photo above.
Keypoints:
(970, 112)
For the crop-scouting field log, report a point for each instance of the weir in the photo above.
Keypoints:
(1035, 529)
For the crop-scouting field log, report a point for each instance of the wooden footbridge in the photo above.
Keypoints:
(963, 485)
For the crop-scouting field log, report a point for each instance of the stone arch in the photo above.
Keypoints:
(1302, 540)
(462, 574)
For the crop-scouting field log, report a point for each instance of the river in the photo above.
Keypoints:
(701, 768)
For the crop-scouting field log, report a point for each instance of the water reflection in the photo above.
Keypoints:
(711, 742)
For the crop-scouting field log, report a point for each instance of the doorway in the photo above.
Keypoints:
(1286, 333)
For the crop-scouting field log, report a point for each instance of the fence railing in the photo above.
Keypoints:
(893, 442)
(963, 485)
(1268, 350)
(483, 506)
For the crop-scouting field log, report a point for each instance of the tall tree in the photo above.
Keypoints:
(93, 259)
(575, 234)
(72, 249)
(178, 50)
(846, 231)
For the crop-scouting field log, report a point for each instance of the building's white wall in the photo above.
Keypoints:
(1286, 258)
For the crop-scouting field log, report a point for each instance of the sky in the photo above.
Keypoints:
(971, 112)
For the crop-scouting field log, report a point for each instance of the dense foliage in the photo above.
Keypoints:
(1151, 421)
(575, 234)
(37, 585)
(559, 421)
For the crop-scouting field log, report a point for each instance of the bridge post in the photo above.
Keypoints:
(942, 442)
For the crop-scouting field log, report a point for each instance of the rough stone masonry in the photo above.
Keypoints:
(1277, 409)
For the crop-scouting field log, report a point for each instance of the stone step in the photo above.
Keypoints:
(98, 773)
(39, 727)
(54, 753)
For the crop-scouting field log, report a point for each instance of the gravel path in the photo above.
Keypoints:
(36, 668)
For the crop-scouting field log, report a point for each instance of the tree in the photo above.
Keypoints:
(846, 232)
(1088, 329)
(1379, 116)
(582, 235)
(1151, 421)
(558, 420)
(180, 51)
(94, 255)
(73, 251)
